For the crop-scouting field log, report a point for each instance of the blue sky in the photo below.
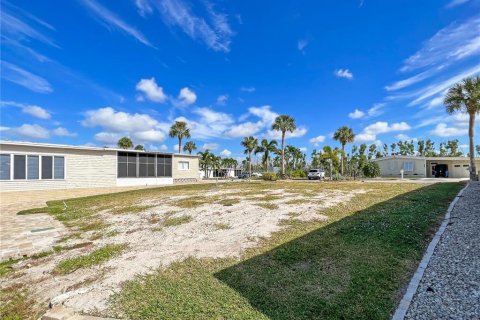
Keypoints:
(87, 72)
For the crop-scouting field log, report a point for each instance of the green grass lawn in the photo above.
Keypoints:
(355, 265)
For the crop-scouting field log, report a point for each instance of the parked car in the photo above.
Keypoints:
(257, 174)
(244, 175)
(316, 174)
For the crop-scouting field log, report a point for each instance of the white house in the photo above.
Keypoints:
(415, 166)
(40, 166)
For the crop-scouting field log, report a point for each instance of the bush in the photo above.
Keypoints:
(298, 173)
(269, 176)
(338, 176)
(371, 170)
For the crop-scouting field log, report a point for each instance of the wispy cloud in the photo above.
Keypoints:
(302, 44)
(412, 80)
(215, 32)
(456, 3)
(109, 19)
(370, 132)
(343, 73)
(24, 78)
(248, 89)
(455, 42)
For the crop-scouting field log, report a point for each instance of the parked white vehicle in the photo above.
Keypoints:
(316, 174)
(257, 174)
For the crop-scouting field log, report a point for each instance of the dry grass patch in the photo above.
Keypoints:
(175, 221)
(222, 226)
(269, 206)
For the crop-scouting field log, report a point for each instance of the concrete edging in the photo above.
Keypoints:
(404, 305)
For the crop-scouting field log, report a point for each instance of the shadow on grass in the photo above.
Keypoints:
(355, 268)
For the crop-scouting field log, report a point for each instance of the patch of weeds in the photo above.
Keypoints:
(89, 280)
(157, 229)
(111, 233)
(95, 257)
(290, 222)
(270, 206)
(6, 266)
(270, 198)
(153, 219)
(298, 201)
(91, 226)
(76, 235)
(222, 226)
(130, 209)
(191, 202)
(96, 236)
(293, 214)
(175, 221)
(17, 304)
(42, 254)
(33, 211)
(229, 202)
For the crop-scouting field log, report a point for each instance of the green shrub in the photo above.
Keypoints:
(337, 177)
(269, 176)
(371, 169)
(298, 173)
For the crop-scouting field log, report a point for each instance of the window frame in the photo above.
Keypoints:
(181, 168)
(40, 156)
(408, 166)
(10, 169)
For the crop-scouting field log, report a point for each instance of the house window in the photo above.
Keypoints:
(59, 168)
(457, 166)
(47, 166)
(19, 167)
(408, 166)
(5, 167)
(164, 165)
(183, 165)
(146, 165)
(127, 165)
(466, 165)
(33, 170)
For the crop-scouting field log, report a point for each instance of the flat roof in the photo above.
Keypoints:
(65, 146)
(423, 158)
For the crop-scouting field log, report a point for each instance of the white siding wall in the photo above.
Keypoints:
(392, 166)
(83, 168)
(192, 173)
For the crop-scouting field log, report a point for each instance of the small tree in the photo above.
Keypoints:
(125, 143)
(344, 135)
(250, 144)
(139, 147)
(190, 146)
(371, 169)
(284, 123)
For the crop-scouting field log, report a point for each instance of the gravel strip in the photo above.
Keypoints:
(450, 287)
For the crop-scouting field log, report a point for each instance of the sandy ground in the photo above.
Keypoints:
(151, 246)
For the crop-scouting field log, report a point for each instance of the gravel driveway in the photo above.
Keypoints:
(450, 287)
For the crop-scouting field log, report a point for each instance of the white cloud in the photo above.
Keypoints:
(409, 81)
(210, 146)
(376, 110)
(222, 99)
(108, 137)
(455, 3)
(404, 137)
(148, 135)
(109, 19)
(31, 131)
(36, 111)
(317, 140)
(370, 132)
(151, 90)
(118, 121)
(210, 124)
(143, 7)
(163, 147)
(186, 97)
(452, 43)
(442, 130)
(15, 74)
(303, 149)
(244, 129)
(302, 44)
(226, 153)
(356, 114)
(344, 73)
(248, 89)
(62, 132)
(213, 29)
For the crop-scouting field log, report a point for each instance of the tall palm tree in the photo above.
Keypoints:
(266, 147)
(344, 135)
(465, 97)
(125, 143)
(206, 161)
(250, 144)
(190, 146)
(284, 123)
(180, 130)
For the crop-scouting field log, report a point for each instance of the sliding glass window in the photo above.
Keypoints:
(19, 167)
(33, 170)
(5, 167)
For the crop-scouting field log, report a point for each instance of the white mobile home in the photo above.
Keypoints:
(39, 166)
(427, 167)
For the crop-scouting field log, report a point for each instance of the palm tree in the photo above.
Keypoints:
(139, 147)
(180, 130)
(344, 135)
(284, 123)
(125, 143)
(465, 97)
(250, 144)
(190, 146)
(205, 161)
(266, 147)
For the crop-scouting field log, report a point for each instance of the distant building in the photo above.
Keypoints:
(429, 167)
(39, 166)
